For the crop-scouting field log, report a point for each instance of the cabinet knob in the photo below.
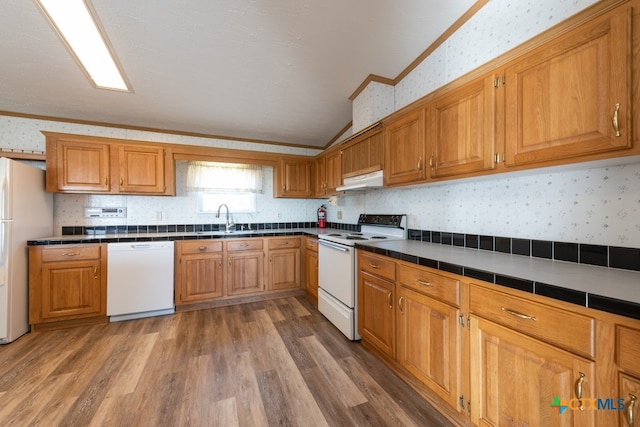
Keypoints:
(71, 253)
(202, 248)
(579, 383)
(629, 415)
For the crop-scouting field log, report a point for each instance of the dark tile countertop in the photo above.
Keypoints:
(608, 289)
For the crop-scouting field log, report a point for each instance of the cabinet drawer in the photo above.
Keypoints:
(283, 243)
(568, 330)
(428, 283)
(376, 265)
(244, 245)
(311, 244)
(70, 253)
(199, 246)
(628, 350)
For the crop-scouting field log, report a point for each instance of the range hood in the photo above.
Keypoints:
(361, 182)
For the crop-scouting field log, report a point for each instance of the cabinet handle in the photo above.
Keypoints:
(121, 181)
(390, 299)
(374, 266)
(284, 188)
(629, 415)
(244, 245)
(220, 262)
(579, 383)
(229, 262)
(518, 315)
(423, 283)
(419, 166)
(95, 272)
(615, 122)
(202, 248)
(71, 253)
(431, 161)
(401, 305)
(106, 180)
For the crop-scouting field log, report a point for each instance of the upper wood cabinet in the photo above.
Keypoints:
(293, 178)
(328, 172)
(404, 149)
(363, 154)
(462, 129)
(571, 97)
(93, 165)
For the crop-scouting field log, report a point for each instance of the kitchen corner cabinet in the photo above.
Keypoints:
(376, 299)
(199, 271)
(93, 165)
(328, 172)
(293, 178)
(405, 149)
(311, 268)
(462, 129)
(67, 283)
(571, 97)
(363, 154)
(283, 263)
(628, 361)
(244, 266)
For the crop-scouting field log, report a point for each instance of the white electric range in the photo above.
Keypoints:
(337, 278)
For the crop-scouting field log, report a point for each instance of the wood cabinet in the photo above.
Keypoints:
(293, 178)
(405, 149)
(311, 268)
(328, 172)
(363, 154)
(245, 266)
(283, 263)
(462, 129)
(515, 379)
(429, 333)
(628, 361)
(376, 299)
(198, 271)
(67, 283)
(571, 97)
(93, 165)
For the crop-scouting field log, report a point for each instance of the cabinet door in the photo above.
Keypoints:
(81, 167)
(320, 183)
(141, 169)
(71, 289)
(404, 149)
(311, 273)
(429, 341)
(245, 272)
(376, 312)
(283, 270)
(561, 99)
(518, 380)
(200, 277)
(629, 386)
(462, 129)
(295, 178)
(333, 171)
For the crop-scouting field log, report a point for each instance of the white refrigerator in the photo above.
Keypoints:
(26, 212)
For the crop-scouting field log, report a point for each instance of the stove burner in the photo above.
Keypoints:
(334, 235)
(356, 238)
(355, 234)
(378, 237)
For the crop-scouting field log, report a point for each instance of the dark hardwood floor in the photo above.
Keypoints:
(275, 363)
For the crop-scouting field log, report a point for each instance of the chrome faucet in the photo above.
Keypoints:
(230, 224)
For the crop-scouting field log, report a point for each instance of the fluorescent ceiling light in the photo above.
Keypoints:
(78, 29)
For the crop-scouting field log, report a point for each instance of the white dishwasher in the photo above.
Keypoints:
(139, 280)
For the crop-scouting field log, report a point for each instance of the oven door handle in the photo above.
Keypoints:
(333, 246)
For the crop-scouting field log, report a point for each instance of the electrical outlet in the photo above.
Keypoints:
(279, 215)
(339, 214)
(159, 215)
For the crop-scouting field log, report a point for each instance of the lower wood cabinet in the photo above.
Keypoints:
(311, 268)
(67, 283)
(283, 263)
(628, 361)
(245, 266)
(198, 271)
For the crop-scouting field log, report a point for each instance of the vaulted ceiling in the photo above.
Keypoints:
(276, 70)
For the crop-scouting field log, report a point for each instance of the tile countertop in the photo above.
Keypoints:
(597, 287)
(608, 289)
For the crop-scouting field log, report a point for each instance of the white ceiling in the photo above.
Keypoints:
(273, 70)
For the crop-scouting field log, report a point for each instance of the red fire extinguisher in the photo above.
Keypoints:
(322, 216)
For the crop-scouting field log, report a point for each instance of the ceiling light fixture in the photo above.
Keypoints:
(79, 30)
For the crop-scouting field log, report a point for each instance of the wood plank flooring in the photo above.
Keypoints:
(269, 363)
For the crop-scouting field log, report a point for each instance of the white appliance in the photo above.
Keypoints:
(139, 280)
(26, 212)
(362, 182)
(337, 276)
